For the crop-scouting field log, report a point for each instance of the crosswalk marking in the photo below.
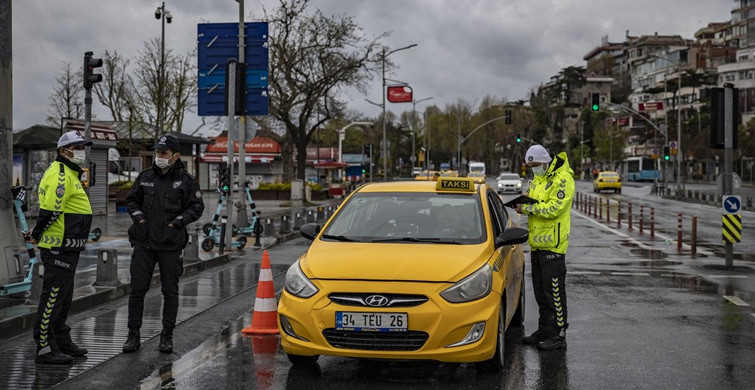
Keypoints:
(736, 300)
(630, 273)
(729, 276)
(583, 273)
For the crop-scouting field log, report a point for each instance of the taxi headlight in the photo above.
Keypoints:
(297, 283)
(473, 287)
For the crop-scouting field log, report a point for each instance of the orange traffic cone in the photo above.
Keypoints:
(265, 315)
(264, 349)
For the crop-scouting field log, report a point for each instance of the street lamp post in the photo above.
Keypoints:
(164, 15)
(382, 92)
(414, 117)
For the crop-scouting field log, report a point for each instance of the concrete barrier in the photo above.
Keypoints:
(107, 268)
(191, 252)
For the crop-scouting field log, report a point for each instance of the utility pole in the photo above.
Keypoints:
(728, 145)
(8, 234)
(242, 218)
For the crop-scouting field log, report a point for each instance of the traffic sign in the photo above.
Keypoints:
(732, 228)
(216, 44)
(732, 204)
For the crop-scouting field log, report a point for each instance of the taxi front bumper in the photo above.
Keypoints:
(432, 325)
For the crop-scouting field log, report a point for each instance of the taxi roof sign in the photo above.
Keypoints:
(455, 184)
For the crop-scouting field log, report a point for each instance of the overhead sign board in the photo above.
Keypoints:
(650, 106)
(216, 44)
(400, 94)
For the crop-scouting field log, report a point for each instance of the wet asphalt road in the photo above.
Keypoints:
(639, 319)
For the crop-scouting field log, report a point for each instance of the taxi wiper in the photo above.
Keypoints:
(415, 239)
(340, 238)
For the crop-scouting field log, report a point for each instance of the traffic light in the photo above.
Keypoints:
(518, 137)
(225, 180)
(595, 101)
(507, 117)
(89, 64)
(666, 153)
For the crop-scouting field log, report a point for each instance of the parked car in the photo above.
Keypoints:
(427, 176)
(607, 180)
(509, 182)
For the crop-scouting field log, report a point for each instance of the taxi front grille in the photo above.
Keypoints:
(393, 300)
(376, 341)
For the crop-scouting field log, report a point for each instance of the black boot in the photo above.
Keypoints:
(53, 357)
(166, 341)
(557, 341)
(133, 341)
(70, 348)
(536, 337)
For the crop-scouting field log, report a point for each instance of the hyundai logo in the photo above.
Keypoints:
(376, 300)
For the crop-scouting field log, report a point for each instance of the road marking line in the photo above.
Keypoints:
(678, 276)
(728, 276)
(630, 273)
(736, 300)
(583, 273)
(752, 314)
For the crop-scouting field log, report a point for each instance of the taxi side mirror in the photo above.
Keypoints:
(309, 230)
(512, 236)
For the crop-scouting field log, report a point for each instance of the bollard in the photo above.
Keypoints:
(693, 243)
(618, 216)
(600, 209)
(320, 214)
(679, 234)
(608, 210)
(642, 217)
(107, 268)
(629, 216)
(310, 216)
(329, 212)
(297, 221)
(749, 201)
(191, 252)
(269, 229)
(652, 222)
(285, 225)
(257, 233)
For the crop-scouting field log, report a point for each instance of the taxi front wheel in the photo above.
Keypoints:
(496, 364)
(300, 360)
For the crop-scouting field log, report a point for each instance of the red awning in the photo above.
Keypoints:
(97, 132)
(256, 145)
(330, 165)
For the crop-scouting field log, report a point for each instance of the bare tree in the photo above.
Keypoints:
(183, 80)
(312, 57)
(66, 100)
(116, 91)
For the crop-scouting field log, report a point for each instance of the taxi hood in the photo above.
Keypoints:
(393, 261)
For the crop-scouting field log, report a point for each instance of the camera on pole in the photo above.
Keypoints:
(89, 76)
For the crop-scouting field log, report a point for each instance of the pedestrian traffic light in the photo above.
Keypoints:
(225, 180)
(89, 64)
(595, 101)
(518, 138)
(507, 117)
(666, 153)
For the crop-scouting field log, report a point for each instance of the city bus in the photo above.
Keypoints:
(640, 169)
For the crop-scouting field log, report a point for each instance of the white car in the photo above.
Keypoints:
(509, 182)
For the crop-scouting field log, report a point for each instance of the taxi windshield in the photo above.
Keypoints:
(410, 217)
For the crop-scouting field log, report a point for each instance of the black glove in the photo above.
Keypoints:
(177, 223)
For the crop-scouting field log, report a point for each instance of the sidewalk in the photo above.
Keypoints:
(17, 314)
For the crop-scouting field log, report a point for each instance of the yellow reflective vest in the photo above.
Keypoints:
(65, 214)
(549, 220)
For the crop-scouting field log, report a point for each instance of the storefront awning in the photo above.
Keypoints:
(330, 165)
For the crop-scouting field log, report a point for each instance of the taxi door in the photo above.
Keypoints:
(505, 264)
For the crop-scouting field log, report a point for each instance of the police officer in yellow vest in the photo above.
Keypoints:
(61, 232)
(549, 224)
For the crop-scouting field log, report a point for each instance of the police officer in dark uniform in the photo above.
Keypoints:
(162, 202)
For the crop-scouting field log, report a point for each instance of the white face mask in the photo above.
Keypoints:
(163, 163)
(79, 156)
(538, 170)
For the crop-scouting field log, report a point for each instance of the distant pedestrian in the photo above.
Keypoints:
(162, 202)
(549, 223)
(61, 233)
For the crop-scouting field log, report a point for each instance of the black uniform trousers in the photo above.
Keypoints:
(549, 283)
(143, 262)
(50, 329)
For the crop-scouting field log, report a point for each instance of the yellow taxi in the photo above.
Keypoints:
(449, 173)
(427, 176)
(607, 180)
(407, 270)
(478, 177)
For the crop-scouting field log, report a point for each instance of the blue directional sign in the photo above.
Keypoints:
(732, 204)
(216, 44)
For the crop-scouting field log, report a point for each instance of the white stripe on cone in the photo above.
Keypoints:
(266, 275)
(265, 304)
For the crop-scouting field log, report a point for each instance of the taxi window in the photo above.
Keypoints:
(498, 213)
(420, 217)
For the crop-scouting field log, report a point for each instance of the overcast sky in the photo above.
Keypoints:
(466, 48)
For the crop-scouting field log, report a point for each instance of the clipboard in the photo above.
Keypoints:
(521, 199)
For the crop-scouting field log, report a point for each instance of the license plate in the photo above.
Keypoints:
(375, 322)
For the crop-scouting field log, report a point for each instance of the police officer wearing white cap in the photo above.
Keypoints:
(549, 223)
(61, 232)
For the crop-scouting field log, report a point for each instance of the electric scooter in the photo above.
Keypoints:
(212, 229)
(256, 226)
(95, 234)
(19, 203)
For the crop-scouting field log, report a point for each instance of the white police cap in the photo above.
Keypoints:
(72, 138)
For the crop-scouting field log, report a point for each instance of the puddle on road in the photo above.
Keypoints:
(650, 254)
